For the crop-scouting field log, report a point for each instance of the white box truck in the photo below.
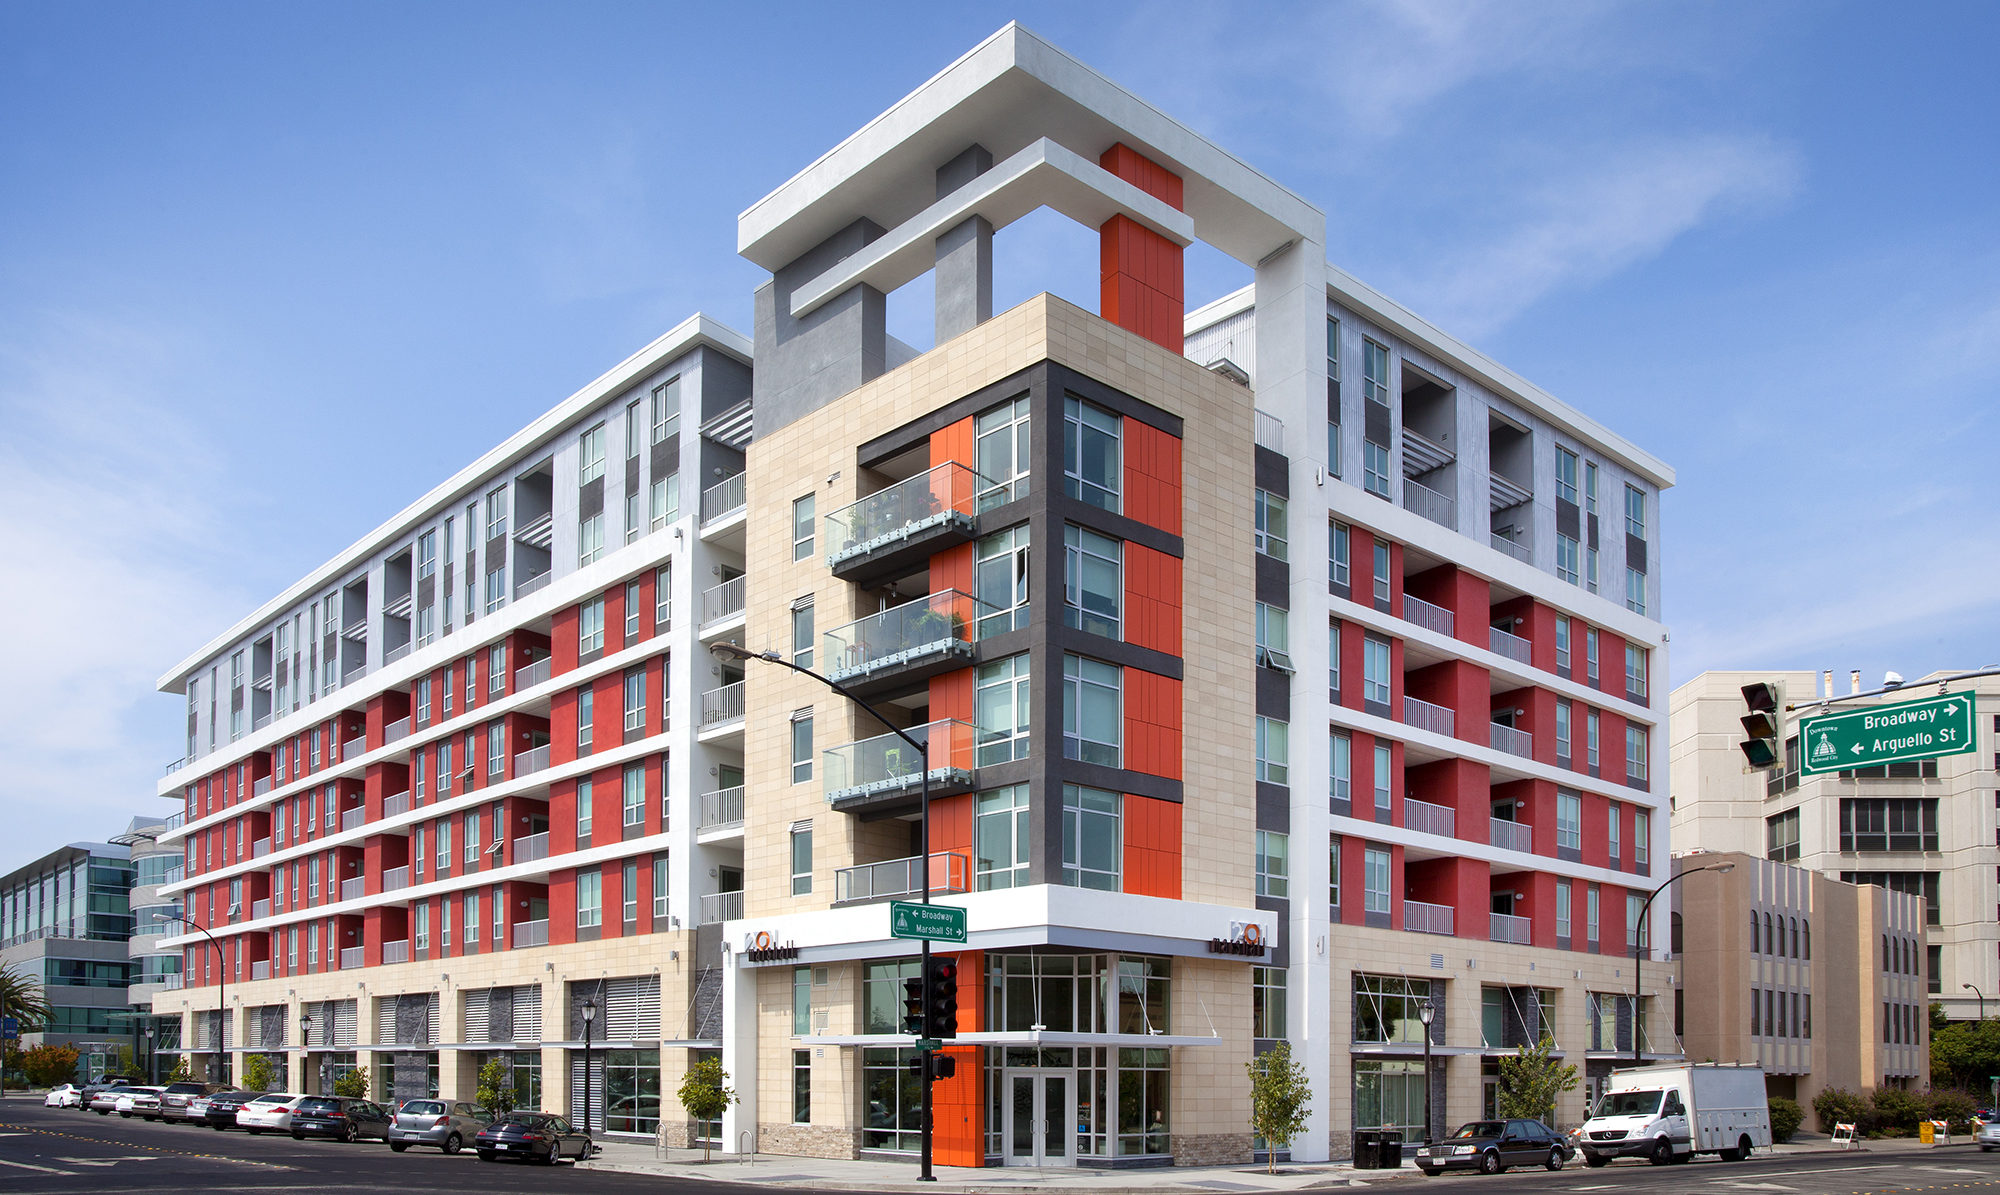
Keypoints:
(1671, 1113)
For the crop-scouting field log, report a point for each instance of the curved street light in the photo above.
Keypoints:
(1974, 989)
(221, 984)
(1639, 947)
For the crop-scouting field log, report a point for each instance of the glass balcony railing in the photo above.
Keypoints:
(936, 629)
(939, 498)
(886, 764)
(901, 877)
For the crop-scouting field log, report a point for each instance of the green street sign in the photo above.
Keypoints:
(1866, 738)
(930, 1043)
(935, 923)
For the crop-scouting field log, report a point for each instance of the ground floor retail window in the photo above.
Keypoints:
(709, 1131)
(624, 1090)
(892, 1101)
(1389, 1094)
(404, 1075)
(524, 1074)
(1121, 1097)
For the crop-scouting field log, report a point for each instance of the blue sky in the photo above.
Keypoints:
(269, 271)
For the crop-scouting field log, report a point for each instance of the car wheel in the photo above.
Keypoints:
(399, 1146)
(1743, 1149)
(102, 1111)
(1593, 1161)
(218, 1128)
(1662, 1153)
(1489, 1162)
(298, 1136)
(1431, 1171)
(255, 1132)
(124, 1116)
(454, 1143)
(351, 1133)
(1555, 1161)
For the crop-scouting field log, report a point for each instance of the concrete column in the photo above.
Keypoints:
(964, 272)
(739, 1051)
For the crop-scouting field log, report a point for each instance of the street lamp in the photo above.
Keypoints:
(1427, 1012)
(152, 1070)
(305, 1045)
(734, 651)
(589, 1014)
(1982, 998)
(221, 988)
(1639, 951)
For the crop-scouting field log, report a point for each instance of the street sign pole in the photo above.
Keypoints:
(924, 1174)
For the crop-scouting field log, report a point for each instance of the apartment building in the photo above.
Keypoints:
(1927, 828)
(1075, 555)
(65, 920)
(1771, 950)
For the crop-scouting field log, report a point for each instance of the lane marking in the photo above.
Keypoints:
(158, 1149)
(42, 1169)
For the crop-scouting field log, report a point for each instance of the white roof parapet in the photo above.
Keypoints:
(1004, 94)
(696, 331)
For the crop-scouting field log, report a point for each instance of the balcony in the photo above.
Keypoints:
(723, 604)
(396, 653)
(396, 878)
(533, 674)
(1513, 547)
(906, 644)
(178, 764)
(1421, 918)
(531, 761)
(1513, 742)
(1427, 616)
(1270, 432)
(530, 847)
(396, 952)
(172, 983)
(718, 907)
(898, 878)
(721, 708)
(1506, 643)
(721, 809)
(1420, 499)
(260, 848)
(175, 820)
(259, 787)
(884, 772)
(396, 803)
(260, 909)
(354, 748)
(1425, 716)
(1512, 836)
(894, 530)
(1426, 818)
(260, 969)
(353, 888)
(1506, 927)
(531, 933)
(396, 731)
(354, 819)
(353, 956)
(531, 584)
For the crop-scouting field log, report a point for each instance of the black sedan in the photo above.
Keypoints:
(223, 1107)
(532, 1136)
(340, 1117)
(1490, 1146)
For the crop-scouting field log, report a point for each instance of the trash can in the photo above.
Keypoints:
(1389, 1155)
(1367, 1149)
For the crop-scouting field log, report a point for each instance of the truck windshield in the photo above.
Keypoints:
(1629, 1103)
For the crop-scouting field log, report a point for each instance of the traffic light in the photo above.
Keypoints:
(943, 997)
(943, 1066)
(913, 1007)
(1763, 725)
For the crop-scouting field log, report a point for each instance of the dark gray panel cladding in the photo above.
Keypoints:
(1281, 942)
(1274, 807)
(632, 475)
(667, 456)
(500, 1014)
(1274, 581)
(1590, 530)
(1274, 472)
(1333, 400)
(1569, 519)
(427, 591)
(1635, 552)
(496, 552)
(1375, 422)
(725, 382)
(1274, 694)
(590, 498)
(718, 462)
(805, 363)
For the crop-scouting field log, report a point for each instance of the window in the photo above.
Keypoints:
(1638, 934)
(590, 626)
(635, 699)
(590, 455)
(1381, 571)
(496, 588)
(1374, 372)
(496, 748)
(659, 890)
(1384, 780)
(802, 859)
(635, 429)
(583, 812)
(496, 670)
(443, 844)
(631, 614)
(1590, 653)
(1272, 536)
(1267, 1002)
(1090, 843)
(802, 1074)
(1375, 468)
(1635, 511)
(1635, 672)
(422, 933)
(1093, 581)
(1340, 765)
(1332, 348)
(423, 716)
(1337, 553)
(802, 632)
(1375, 879)
(1092, 715)
(471, 838)
(1590, 487)
(1590, 914)
(1642, 837)
(666, 409)
(1891, 824)
(1562, 644)
(1273, 863)
(1635, 753)
(1002, 580)
(1563, 719)
(444, 765)
(1563, 909)
(1274, 640)
(1565, 476)
(1569, 820)
(802, 745)
(1091, 468)
(1333, 875)
(1590, 570)
(664, 500)
(586, 704)
(1614, 816)
(634, 525)
(1635, 591)
(589, 899)
(632, 796)
(589, 539)
(628, 893)
(1001, 837)
(1003, 454)
(663, 598)
(1590, 727)
(802, 528)
(1273, 751)
(1000, 700)
(1566, 562)
(1375, 670)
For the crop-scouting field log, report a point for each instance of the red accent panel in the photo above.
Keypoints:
(614, 619)
(958, 1104)
(1611, 920)
(1152, 847)
(1142, 172)
(562, 906)
(562, 645)
(1152, 724)
(1152, 599)
(1152, 476)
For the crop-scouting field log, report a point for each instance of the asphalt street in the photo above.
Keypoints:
(1961, 1169)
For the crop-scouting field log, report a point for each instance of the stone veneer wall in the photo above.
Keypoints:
(1210, 1149)
(809, 1140)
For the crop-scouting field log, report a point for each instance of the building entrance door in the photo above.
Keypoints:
(1041, 1118)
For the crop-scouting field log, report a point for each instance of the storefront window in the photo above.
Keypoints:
(892, 1101)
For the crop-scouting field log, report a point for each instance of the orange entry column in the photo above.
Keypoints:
(1139, 274)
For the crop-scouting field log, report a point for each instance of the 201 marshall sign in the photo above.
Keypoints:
(1882, 734)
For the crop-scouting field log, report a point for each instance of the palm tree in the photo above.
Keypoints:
(23, 998)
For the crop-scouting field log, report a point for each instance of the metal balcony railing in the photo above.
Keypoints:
(355, 818)
(178, 764)
(725, 497)
(172, 983)
(539, 581)
(1425, 716)
(260, 909)
(396, 878)
(886, 763)
(1513, 547)
(530, 847)
(888, 517)
(353, 956)
(1513, 742)
(1270, 431)
(949, 872)
(1420, 499)
(260, 969)
(723, 807)
(175, 820)
(1508, 644)
(1512, 836)
(719, 707)
(1506, 927)
(353, 888)
(1426, 818)
(1431, 618)
(937, 626)
(396, 653)
(1421, 918)
(396, 731)
(396, 803)
(260, 786)
(718, 907)
(531, 933)
(260, 848)
(720, 603)
(531, 761)
(396, 952)
(260, 721)
(533, 674)
(354, 748)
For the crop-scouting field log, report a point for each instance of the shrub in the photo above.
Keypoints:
(1952, 1106)
(1837, 1105)
(47, 1065)
(353, 1084)
(258, 1073)
(1786, 1117)
(1894, 1112)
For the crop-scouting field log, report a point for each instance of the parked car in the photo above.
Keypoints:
(222, 1107)
(445, 1124)
(177, 1100)
(104, 1100)
(63, 1095)
(91, 1089)
(1490, 1146)
(139, 1101)
(343, 1118)
(1988, 1136)
(532, 1136)
(272, 1110)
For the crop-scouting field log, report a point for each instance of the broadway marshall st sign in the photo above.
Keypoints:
(1866, 738)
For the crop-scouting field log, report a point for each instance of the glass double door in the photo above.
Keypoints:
(1041, 1117)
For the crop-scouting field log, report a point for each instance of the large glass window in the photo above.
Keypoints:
(1375, 670)
(1887, 824)
(631, 1085)
(666, 409)
(1337, 537)
(664, 500)
(1273, 751)
(892, 1101)
(1091, 456)
(590, 626)
(1375, 879)
(1635, 511)
(802, 633)
(1001, 576)
(1635, 752)
(1273, 538)
(1384, 776)
(1563, 731)
(1781, 836)
(802, 528)
(631, 796)
(1374, 372)
(1274, 639)
(1001, 705)
(635, 699)
(1340, 765)
(1386, 1009)
(1267, 1002)
(1091, 851)
(1093, 581)
(1635, 591)
(1375, 468)
(1566, 476)
(1003, 453)
(1093, 719)
(1001, 838)
(1569, 819)
(802, 860)
(589, 899)
(589, 539)
(1566, 560)
(590, 456)
(1563, 909)
(802, 746)
(1273, 863)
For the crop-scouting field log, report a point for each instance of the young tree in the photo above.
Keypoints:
(258, 1074)
(1279, 1097)
(183, 1071)
(704, 1093)
(1532, 1079)
(47, 1065)
(353, 1084)
(496, 1088)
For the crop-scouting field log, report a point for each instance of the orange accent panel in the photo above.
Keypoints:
(953, 569)
(1152, 724)
(952, 695)
(1152, 476)
(1152, 599)
(953, 443)
(951, 830)
(958, 1104)
(1140, 282)
(1152, 847)
(1142, 172)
